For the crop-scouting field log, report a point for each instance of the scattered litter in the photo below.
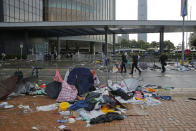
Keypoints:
(35, 128)
(191, 98)
(119, 100)
(71, 120)
(3, 104)
(63, 106)
(8, 106)
(79, 118)
(171, 119)
(47, 107)
(64, 113)
(61, 127)
(26, 108)
(62, 121)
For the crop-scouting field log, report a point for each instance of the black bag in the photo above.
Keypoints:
(53, 89)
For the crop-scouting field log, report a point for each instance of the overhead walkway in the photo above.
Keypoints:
(80, 28)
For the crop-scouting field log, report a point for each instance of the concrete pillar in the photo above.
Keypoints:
(162, 40)
(58, 44)
(92, 48)
(66, 46)
(47, 44)
(114, 41)
(106, 41)
(26, 43)
(59, 47)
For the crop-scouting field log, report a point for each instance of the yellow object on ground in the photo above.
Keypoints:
(106, 110)
(63, 106)
(150, 89)
(144, 100)
(181, 62)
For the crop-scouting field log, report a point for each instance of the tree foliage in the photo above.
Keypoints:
(154, 44)
(168, 45)
(192, 40)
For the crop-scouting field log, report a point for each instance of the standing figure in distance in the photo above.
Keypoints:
(123, 62)
(163, 59)
(55, 53)
(134, 63)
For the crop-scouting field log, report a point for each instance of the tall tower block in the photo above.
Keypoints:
(142, 15)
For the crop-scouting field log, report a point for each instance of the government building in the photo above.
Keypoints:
(53, 11)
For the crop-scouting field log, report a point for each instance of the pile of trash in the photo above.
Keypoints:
(81, 96)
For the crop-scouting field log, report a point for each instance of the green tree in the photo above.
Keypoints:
(143, 45)
(192, 40)
(168, 45)
(154, 44)
(133, 43)
(125, 43)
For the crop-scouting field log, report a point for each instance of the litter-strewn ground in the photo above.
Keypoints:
(175, 115)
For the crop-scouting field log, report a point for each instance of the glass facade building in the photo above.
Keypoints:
(22, 10)
(79, 10)
(52, 10)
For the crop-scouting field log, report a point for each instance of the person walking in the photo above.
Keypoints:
(134, 63)
(123, 62)
(163, 59)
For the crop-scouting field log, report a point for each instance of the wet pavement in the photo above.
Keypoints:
(171, 78)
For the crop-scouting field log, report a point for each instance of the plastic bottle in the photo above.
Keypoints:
(62, 121)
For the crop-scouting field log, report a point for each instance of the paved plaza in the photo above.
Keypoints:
(177, 114)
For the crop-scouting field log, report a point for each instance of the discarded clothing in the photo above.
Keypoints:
(78, 105)
(38, 92)
(106, 110)
(53, 89)
(82, 78)
(96, 80)
(66, 75)
(143, 65)
(150, 89)
(106, 118)
(122, 94)
(90, 107)
(90, 97)
(130, 84)
(57, 76)
(161, 97)
(165, 97)
(108, 100)
(25, 86)
(67, 93)
(151, 101)
(139, 94)
(86, 115)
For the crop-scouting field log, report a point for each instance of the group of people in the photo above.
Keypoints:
(135, 58)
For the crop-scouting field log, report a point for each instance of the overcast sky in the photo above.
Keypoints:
(157, 10)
